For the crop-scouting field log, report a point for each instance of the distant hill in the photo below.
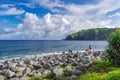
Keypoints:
(91, 34)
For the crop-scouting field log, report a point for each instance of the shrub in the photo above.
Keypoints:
(101, 66)
(113, 48)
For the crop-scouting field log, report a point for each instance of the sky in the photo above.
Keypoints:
(55, 19)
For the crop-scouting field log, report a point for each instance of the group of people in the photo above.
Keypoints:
(88, 50)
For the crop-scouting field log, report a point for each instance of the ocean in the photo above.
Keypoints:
(10, 49)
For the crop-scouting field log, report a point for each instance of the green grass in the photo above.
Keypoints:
(102, 70)
(112, 75)
(102, 66)
(51, 77)
(36, 78)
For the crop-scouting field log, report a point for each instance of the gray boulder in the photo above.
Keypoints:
(19, 74)
(74, 63)
(8, 73)
(26, 71)
(68, 68)
(14, 79)
(38, 74)
(82, 67)
(45, 73)
(20, 69)
(47, 65)
(56, 72)
(21, 63)
(24, 78)
(2, 77)
(85, 60)
(73, 77)
(37, 66)
(76, 72)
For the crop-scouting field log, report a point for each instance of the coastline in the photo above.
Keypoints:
(37, 54)
(47, 64)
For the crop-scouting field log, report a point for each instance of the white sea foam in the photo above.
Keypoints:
(36, 54)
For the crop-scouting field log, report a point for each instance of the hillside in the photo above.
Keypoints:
(91, 34)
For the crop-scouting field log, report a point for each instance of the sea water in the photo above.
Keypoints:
(29, 48)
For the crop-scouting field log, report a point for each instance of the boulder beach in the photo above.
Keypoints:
(55, 65)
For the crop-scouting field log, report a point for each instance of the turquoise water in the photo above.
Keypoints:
(27, 48)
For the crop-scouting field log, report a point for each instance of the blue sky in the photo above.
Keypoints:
(55, 19)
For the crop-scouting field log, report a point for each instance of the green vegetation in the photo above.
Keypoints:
(91, 34)
(102, 70)
(36, 78)
(112, 75)
(113, 49)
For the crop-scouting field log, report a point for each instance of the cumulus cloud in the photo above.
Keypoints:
(114, 15)
(49, 3)
(6, 5)
(12, 11)
(65, 20)
(57, 25)
(32, 27)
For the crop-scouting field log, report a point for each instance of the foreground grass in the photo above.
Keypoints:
(102, 70)
(112, 75)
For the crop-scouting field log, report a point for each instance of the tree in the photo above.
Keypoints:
(113, 49)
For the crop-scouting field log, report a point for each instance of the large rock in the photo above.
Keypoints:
(38, 74)
(29, 62)
(37, 66)
(8, 73)
(82, 67)
(74, 63)
(19, 74)
(85, 60)
(26, 71)
(20, 69)
(73, 77)
(47, 65)
(76, 72)
(68, 68)
(2, 77)
(45, 73)
(3, 66)
(24, 78)
(21, 63)
(11, 65)
(14, 79)
(57, 72)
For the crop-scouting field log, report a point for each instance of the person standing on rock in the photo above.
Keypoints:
(70, 51)
(88, 50)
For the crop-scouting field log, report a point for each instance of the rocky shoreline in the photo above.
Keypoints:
(55, 65)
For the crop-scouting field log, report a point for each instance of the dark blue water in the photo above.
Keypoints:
(22, 48)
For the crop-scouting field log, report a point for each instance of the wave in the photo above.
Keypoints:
(37, 54)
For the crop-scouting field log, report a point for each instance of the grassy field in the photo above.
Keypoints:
(102, 70)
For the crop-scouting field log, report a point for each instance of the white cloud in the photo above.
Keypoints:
(47, 18)
(12, 11)
(65, 20)
(29, 5)
(114, 15)
(32, 27)
(57, 26)
(49, 3)
(6, 5)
